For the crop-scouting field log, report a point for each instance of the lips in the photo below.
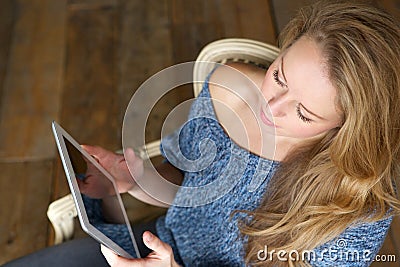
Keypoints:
(265, 119)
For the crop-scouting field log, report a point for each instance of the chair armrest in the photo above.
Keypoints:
(61, 214)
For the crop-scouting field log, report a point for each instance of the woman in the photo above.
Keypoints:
(326, 197)
(334, 97)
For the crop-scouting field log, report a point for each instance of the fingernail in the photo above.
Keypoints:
(148, 236)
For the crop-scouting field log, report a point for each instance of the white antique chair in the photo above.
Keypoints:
(61, 212)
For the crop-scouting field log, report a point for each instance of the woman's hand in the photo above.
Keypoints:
(116, 165)
(162, 255)
(94, 183)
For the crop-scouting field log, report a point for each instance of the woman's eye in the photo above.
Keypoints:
(275, 74)
(301, 116)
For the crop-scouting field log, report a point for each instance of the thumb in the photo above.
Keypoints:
(110, 256)
(115, 260)
(154, 243)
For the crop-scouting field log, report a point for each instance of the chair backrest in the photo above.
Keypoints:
(221, 51)
(232, 50)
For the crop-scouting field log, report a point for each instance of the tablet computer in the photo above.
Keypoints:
(92, 185)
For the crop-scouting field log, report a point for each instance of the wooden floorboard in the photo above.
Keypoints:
(396, 233)
(197, 23)
(33, 80)
(283, 10)
(145, 49)
(24, 198)
(7, 18)
(32, 52)
(89, 106)
(255, 21)
(91, 4)
(89, 103)
(391, 6)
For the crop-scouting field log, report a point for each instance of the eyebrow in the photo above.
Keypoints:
(306, 109)
(283, 73)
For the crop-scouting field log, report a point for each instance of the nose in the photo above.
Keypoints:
(277, 103)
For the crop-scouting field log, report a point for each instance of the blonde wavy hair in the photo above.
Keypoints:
(348, 175)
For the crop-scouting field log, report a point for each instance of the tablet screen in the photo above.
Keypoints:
(100, 199)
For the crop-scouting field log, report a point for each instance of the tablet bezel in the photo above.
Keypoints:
(60, 134)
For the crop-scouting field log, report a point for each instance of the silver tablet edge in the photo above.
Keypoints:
(59, 133)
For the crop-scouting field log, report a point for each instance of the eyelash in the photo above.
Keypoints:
(276, 78)
(301, 116)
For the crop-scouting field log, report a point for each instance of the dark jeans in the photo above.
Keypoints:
(78, 252)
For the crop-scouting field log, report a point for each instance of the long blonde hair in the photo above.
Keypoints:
(347, 176)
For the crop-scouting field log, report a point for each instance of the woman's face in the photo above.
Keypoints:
(300, 97)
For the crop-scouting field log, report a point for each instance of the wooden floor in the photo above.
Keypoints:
(78, 62)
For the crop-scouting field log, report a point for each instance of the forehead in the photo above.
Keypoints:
(307, 78)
